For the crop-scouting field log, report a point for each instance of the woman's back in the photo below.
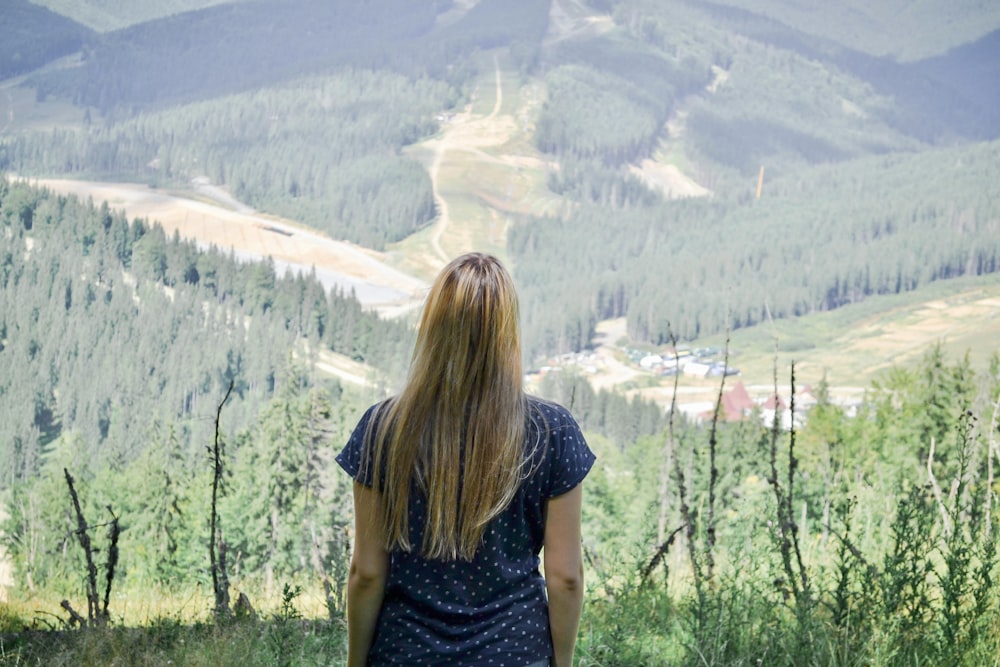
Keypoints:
(493, 607)
(460, 480)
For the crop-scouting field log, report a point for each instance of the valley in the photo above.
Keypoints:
(610, 153)
(485, 173)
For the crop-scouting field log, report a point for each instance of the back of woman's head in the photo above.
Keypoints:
(469, 338)
(457, 428)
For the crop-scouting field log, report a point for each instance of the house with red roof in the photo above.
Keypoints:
(736, 404)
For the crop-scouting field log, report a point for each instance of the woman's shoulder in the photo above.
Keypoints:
(375, 411)
(350, 457)
(549, 414)
(559, 449)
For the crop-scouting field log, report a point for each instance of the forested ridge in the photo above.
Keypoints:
(867, 537)
(34, 36)
(863, 175)
(694, 267)
(108, 328)
(329, 156)
(313, 126)
(320, 142)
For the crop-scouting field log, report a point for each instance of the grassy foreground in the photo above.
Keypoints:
(171, 642)
(644, 627)
(176, 629)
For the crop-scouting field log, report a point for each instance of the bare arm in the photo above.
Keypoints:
(366, 581)
(564, 572)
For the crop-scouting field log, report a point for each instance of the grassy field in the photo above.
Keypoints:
(852, 345)
(849, 347)
(484, 169)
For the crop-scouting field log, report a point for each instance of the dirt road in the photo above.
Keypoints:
(251, 235)
(449, 139)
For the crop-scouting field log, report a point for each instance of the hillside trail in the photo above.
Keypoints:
(454, 135)
(466, 135)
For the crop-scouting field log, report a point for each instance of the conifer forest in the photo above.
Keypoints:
(699, 178)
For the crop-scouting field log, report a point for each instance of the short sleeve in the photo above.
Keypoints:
(350, 457)
(570, 456)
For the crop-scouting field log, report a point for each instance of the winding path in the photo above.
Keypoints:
(448, 141)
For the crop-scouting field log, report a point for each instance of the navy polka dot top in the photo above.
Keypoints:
(491, 611)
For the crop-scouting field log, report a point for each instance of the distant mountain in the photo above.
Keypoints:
(227, 48)
(900, 30)
(231, 47)
(110, 15)
(329, 112)
(34, 36)
(956, 93)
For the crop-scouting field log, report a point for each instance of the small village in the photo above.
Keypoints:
(695, 374)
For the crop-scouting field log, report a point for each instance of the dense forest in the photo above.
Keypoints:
(35, 36)
(114, 358)
(156, 326)
(317, 132)
(320, 143)
(694, 267)
(858, 184)
(333, 163)
(839, 166)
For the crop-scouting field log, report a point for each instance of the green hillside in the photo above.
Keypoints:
(816, 182)
(108, 15)
(854, 345)
(311, 110)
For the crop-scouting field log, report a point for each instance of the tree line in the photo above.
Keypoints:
(829, 237)
(107, 326)
(321, 150)
(319, 140)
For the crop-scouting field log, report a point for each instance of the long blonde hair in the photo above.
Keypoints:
(457, 428)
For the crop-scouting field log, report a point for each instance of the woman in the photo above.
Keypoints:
(460, 481)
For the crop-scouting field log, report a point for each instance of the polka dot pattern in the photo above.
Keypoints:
(491, 611)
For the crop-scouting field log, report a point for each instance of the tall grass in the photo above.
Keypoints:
(912, 587)
(179, 629)
(920, 593)
(172, 641)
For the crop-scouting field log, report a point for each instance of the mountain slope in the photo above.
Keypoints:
(857, 169)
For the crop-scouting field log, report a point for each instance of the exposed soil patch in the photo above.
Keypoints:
(252, 235)
(668, 180)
